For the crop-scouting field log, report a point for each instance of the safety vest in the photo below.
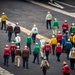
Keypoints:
(73, 29)
(72, 54)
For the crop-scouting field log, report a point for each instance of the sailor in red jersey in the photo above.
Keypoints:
(65, 26)
(65, 69)
(6, 54)
(59, 37)
(58, 50)
(12, 50)
(47, 48)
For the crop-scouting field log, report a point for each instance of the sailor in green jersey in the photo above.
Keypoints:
(72, 29)
(36, 52)
(28, 41)
(55, 26)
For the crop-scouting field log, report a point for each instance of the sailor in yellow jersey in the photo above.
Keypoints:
(53, 42)
(3, 21)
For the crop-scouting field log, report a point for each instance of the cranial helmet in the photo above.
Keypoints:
(47, 42)
(17, 23)
(48, 12)
(68, 39)
(64, 63)
(65, 20)
(17, 46)
(55, 18)
(28, 34)
(34, 25)
(6, 45)
(36, 43)
(58, 44)
(53, 36)
(12, 42)
(17, 34)
(25, 46)
(3, 13)
(44, 58)
(71, 33)
(59, 32)
(72, 24)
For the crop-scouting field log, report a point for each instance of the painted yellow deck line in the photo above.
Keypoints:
(28, 31)
(25, 30)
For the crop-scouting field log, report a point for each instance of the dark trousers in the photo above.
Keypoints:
(9, 36)
(74, 44)
(63, 50)
(64, 31)
(53, 48)
(34, 37)
(36, 56)
(58, 55)
(60, 41)
(6, 59)
(48, 22)
(3, 25)
(18, 44)
(67, 52)
(66, 73)
(72, 61)
(44, 71)
(29, 46)
(12, 56)
(16, 33)
(25, 62)
(47, 54)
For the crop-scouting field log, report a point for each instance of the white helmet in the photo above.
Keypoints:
(28, 34)
(25, 46)
(3, 13)
(34, 25)
(65, 20)
(48, 12)
(53, 36)
(17, 34)
(55, 18)
(18, 47)
(45, 58)
(71, 33)
(36, 43)
(68, 39)
(17, 23)
(72, 24)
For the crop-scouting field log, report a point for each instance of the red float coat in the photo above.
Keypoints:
(59, 37)
(47, 47)
(13, 47)
(66, 69)
(65, 26)
(6, 51)
(58, 49)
